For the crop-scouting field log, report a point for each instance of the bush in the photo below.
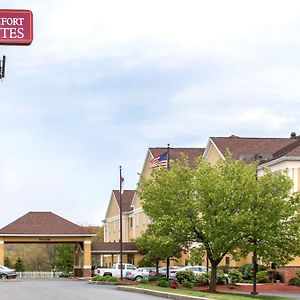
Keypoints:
(97, 278)
(143, 281)
(247, 271)
(104, 278)
(221, 278)
(163, 282)
(235, 276)
(298, 273)
(188, 284)
(152, 279)
(112, 279)
(294, 281)
(262, 277)
(183, 276)
(202, 279)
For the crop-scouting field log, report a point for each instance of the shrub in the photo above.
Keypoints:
(294, 281)
(112, 279)
(247, 271)
(202, 279)
(163, 282)
(104, 278)
(235, 276)
(152, 279)
(143, 281)
(221, 278)
(183, 276)
(262, 277)
(188, 284)
(298, 273)
(97, 278)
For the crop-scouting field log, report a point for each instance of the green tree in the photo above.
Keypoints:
(274, 222)
(65, 257)
(19, 265)
(158, 245)
(209, 204)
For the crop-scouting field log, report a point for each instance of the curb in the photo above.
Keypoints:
(161, 294)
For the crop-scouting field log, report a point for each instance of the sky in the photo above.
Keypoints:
(103, 81)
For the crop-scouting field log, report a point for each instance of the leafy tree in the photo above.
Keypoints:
(196, 256)
(65, 257)
(158, 245)
(211, 205)
(19, 265)
(274, 222)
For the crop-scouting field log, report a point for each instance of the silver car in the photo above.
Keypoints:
(6, 273)
(194, 269)
(140, 273)
(172, 271)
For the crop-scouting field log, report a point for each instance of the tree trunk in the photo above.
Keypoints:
(213, 278)
(168, 268)
(156, 267)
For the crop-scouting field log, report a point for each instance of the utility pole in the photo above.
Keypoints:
(2, 67)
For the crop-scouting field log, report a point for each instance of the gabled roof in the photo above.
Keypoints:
(247, 148)
(175, 153)
(127, 198)
(44, 223)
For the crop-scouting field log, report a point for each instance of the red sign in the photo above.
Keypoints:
(16, 27)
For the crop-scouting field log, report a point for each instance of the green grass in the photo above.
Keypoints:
(218, 296)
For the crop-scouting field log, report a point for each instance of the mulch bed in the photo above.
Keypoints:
(276, 288)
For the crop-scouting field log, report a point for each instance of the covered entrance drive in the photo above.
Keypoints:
(47, 227)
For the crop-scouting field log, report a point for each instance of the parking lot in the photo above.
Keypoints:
(63, 289)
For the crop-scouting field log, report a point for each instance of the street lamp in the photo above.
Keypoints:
(257, 158)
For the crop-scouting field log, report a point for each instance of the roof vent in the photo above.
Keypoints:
(293, 135)
(234, 136)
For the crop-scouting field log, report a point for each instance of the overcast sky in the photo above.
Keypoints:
(105, 80)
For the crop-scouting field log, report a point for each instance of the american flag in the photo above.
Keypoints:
(122, 184)
(160, 161)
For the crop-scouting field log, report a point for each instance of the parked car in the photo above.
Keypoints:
(194, 269)
(115, 271)
(140, 273)
(172, 271)
(6, 273)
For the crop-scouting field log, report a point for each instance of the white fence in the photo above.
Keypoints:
(38, 274)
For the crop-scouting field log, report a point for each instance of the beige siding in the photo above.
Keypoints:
(113, 208)
(213, 155)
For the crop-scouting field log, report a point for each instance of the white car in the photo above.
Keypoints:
(194, 269)
(140, 273)
(172, 271)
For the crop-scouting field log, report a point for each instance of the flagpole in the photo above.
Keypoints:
(121, 231)
(168, 153)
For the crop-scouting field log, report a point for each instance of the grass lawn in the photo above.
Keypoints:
(218, 296)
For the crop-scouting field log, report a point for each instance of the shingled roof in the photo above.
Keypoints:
(246, 148)
(127, 198)
(44, 223)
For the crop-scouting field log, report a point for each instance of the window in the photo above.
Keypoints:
(227, 260)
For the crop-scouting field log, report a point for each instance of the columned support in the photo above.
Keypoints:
(77, 264)
(87, 258)
(101, 260)
(1, 252)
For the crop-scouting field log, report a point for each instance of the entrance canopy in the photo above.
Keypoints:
(47, 227)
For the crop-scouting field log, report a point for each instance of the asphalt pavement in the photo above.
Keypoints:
(64, 289)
